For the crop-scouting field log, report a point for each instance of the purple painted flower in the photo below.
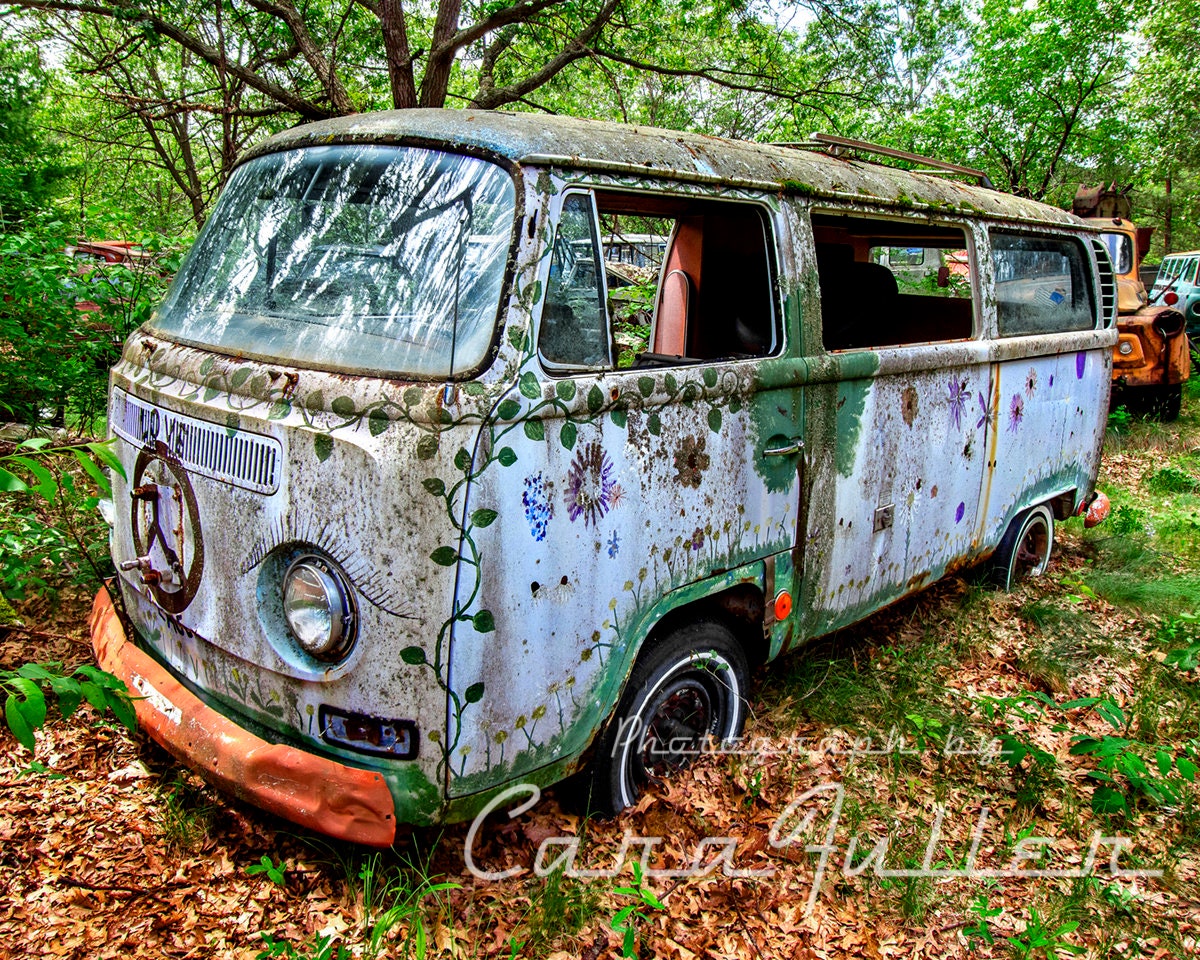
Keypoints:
(1031, 382)
(697, 539)
(958, 514)
(1051, 379)
(1080, 364)
(983, 412)
(959, 394)
(1016, 413)
(589, 485)
(691, 461)
(538, 501)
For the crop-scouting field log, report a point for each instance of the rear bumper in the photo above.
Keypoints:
(321, 794)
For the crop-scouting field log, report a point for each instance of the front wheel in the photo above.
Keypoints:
(1024, 553)
(686, 691)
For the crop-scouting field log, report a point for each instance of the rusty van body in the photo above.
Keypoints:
(396, 533)
(1151, 360)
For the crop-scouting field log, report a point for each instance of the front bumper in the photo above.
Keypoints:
(345, 802)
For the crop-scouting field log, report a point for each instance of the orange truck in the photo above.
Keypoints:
(1151, 361)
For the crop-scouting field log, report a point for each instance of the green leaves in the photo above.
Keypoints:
(444, 556)
(483, 517)
(413, 656)
(25, 708)
(274, 869)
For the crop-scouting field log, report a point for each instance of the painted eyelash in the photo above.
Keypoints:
(370, 584)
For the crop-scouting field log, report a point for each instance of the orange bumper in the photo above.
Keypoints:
(329, 797)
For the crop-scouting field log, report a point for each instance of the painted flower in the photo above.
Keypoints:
(697, 542)
(614, 545)
(983, 412)
(1016, 412)
(1031, 382)
(959, 394)
(590, 485)
(691, 461)
(958, 514)
(1080, 364)
(539, 504)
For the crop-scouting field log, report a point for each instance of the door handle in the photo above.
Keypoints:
(795, 445)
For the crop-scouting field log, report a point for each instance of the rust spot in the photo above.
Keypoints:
(908, 405)
(292, 379)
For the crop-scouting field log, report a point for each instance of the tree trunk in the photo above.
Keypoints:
(436, 81)
(1168, 216)
(399, 55)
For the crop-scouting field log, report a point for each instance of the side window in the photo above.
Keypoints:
(574, 329)
(887, 283)
(1042, 285)
(692, 280)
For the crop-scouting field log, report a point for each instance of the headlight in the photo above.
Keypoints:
(317, 606)
(1125, 348)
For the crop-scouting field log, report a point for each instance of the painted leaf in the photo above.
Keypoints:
(484, 621)
(427, 446)
(619, 417)
(506, 456)
(516, 336)
(565, 389)
(343, 407)
(535, 429)
(529, 386)
(441, 415)
(239, 377)
(710, 377)
(206, 367)
(413, 655)
(654, 424)
(595, 399)
(483, 517)
(714, 420)
(508, 409)
(444, 556)
(645, 386)
(279, 410)
(474, 693)
(671, 383)
(735, 404)
(434, 485)
(378, 422)
(323, 446)
(462, 459)
(567, 434)
(413, 396)
(473, 388)
(690, 392)
(315, 400)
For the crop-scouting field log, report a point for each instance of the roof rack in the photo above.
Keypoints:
(836, 146)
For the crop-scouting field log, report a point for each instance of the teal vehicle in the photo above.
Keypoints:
(1177, 274)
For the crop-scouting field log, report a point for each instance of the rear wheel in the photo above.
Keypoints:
(1024, 553)
(685, 691)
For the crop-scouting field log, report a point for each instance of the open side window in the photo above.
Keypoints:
(889, 283)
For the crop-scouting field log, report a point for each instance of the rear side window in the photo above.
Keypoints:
(1042, 285)
(890, 283)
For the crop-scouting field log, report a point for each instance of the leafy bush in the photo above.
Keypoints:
(25, 698)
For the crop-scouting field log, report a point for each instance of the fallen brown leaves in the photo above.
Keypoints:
(127, 855)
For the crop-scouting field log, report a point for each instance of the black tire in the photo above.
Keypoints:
(684, 690)
(1024, 553)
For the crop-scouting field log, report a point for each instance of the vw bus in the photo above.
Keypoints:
(396, 532)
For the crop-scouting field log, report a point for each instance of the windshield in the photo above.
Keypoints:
(375, 258)
(1120, 251)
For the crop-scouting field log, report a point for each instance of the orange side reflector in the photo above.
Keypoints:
(783, 605)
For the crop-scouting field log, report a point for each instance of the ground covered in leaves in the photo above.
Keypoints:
(933, 752)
